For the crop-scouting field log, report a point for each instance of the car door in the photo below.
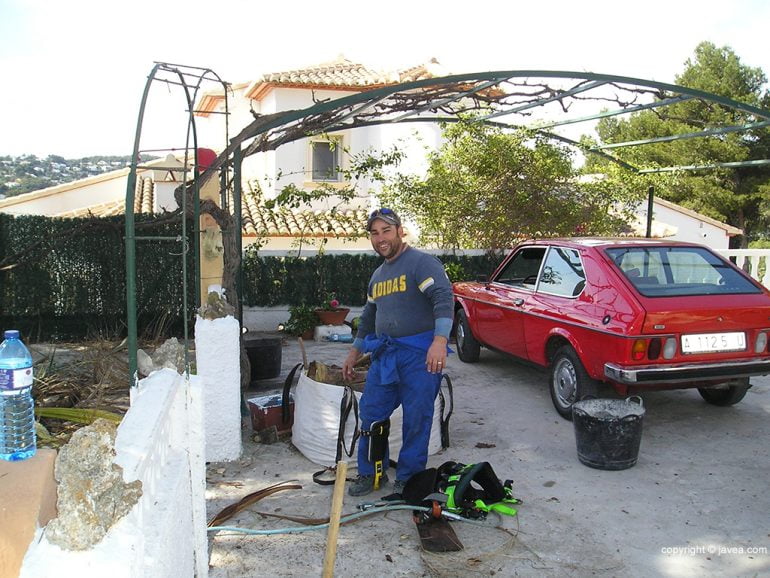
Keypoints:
(500, 316)
(557, 303)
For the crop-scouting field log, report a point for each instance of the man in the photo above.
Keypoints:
(405, 325)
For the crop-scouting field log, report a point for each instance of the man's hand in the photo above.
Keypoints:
(436, 355)
(347, 365)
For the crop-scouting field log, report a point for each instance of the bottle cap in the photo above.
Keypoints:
(11, 334)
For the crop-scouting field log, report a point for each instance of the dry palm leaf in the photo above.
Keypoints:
(229, 511)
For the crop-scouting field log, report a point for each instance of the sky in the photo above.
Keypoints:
(73, 71)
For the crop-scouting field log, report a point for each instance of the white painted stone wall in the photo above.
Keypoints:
(217, 354)
(164, 441)
(160, 442)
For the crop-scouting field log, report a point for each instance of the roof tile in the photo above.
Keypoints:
(343, 72)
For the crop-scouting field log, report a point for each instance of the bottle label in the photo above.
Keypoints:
(15, 378)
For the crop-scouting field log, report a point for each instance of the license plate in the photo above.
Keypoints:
(707, 342)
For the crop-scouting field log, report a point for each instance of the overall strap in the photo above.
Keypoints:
(445, 418)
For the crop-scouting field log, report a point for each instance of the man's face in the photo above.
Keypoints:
(386, 238)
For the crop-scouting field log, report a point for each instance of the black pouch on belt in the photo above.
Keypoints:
(378, 440)
(378, 447)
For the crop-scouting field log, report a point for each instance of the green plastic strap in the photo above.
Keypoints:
(450, 499)
(499, 507)
(503, 508)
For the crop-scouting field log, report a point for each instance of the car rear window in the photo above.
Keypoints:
(674, 271)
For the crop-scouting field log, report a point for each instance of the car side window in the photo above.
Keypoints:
(562, 273)
(523, 268)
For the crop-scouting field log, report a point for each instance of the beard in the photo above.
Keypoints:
(389, 249)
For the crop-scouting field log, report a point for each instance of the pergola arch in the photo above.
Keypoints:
(503, 98)
(494, 95)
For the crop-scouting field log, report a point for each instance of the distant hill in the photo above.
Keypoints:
(29, 173)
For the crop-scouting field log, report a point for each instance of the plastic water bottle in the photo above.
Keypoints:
(17, 409)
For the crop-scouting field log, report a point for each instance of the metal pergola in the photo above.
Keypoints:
(542, 101)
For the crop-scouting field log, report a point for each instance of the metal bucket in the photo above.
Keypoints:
(608, 432)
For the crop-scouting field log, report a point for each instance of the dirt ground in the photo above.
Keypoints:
(695, 504)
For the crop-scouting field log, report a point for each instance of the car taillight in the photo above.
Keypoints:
(760, 345)
(653, 351)
(669, 349)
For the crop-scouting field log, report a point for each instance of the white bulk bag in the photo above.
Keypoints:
(317, 423)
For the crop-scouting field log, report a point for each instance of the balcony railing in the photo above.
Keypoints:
(754, 261)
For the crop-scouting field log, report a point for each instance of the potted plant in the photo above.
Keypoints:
(302, 321)
(330, 312)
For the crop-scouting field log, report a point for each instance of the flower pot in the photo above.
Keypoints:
(336, 317)
(307, 335)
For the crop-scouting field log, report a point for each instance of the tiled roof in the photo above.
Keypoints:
(258, 220)
(143, 203)
(342, 74)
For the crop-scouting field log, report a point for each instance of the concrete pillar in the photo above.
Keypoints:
(217, 353)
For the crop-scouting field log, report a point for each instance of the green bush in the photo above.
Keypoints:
(69, 281)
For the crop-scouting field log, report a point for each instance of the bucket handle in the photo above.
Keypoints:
(632, 417)
(635, 399)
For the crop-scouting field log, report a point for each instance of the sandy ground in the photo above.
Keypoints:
(695, 504)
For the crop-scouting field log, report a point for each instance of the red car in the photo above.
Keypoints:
(639, 314)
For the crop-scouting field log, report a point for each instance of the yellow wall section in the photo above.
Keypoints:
(212, 263)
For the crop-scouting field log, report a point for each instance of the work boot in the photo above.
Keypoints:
(398, 487)
(364, 485)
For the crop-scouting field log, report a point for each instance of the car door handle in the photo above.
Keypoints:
(518, 302)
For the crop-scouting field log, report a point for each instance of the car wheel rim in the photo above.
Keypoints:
(565, 382)
(460, 335)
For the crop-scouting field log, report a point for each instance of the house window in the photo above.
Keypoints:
(325, 160)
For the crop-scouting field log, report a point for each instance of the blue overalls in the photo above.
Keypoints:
(398, 376)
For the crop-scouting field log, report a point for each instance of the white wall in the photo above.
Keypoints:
(689, 228)
(62, 198)
(160, 442)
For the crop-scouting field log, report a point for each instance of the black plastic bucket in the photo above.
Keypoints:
(264, 356)
(608, 432)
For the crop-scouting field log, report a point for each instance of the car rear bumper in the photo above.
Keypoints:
(679, 373)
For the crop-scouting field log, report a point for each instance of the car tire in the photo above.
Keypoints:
(729, 395)
(468, 348)
(569, 381)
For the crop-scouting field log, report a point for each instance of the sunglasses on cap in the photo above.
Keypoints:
(387, 215)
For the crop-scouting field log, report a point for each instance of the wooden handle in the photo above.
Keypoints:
(334, 519)
(304, 355)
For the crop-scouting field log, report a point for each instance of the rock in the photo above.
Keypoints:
(144, 362)
(215, 307)
(169, 355)
(92, 495)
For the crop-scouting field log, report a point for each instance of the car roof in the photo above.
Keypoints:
(608, 242)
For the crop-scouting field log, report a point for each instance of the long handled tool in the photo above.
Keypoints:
(334, 519)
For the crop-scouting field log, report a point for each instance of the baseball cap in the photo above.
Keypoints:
(387, 215)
